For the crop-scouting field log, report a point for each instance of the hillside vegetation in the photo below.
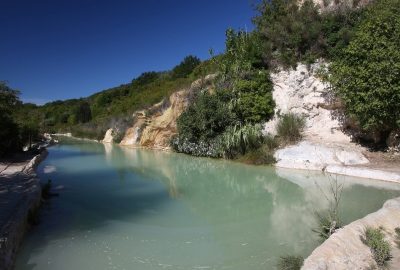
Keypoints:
(362, 45)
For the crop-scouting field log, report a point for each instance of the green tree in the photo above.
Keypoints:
(185, 68)
(205, 119)
(367, 75)
(145, 78)
(83, 112)
(254, 102)
(294, 33)
(9, 132)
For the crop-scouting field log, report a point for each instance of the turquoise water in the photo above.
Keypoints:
(121, 208)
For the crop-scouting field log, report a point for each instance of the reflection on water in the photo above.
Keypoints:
(137, 209)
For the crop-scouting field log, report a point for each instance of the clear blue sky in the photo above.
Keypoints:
(59, 49)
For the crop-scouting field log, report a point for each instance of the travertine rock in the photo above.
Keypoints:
(312, 156)
(156, 129)
(301, 92)
(345, 250)
(108, 137)
(21, 196)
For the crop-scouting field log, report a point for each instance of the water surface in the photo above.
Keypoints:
(121, 208)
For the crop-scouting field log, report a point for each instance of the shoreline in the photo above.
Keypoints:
(363, 171)
(345, 249)
(21, 194)
(339, 159)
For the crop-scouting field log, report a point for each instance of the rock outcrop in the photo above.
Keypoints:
(325, 147)
(155, 127)
(108, 137)
(345, 249)
(301, 92)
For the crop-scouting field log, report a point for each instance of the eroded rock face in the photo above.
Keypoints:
(301, 92)
(156, 130)
(345, 250)
(161, 128)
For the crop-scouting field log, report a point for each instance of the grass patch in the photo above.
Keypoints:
(263, 155)
(380, 248)
(290, 262)
(328, 224)
(290, 127)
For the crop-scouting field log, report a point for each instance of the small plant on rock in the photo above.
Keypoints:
(380, 248)
(290, 127)
(329, 221)
(290, 262)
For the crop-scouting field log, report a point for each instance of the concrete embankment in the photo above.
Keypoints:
(20, 197)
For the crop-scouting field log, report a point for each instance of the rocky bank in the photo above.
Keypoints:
(345, 249)
(20, 197)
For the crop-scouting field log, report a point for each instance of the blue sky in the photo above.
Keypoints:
(59, 49)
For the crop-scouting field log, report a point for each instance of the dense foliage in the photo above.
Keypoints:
(225, 119)
(19, 123)
(367, 75)
(292, 32)
(9, 130)
(186, 67)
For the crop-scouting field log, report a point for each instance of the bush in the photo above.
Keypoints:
(185, 68)
(241, 139)
(262, 155)
(210, 148)
(9, 130)
(205, 119)
(290, 127)
(327, 225)
(366, 76)
(253, 102)
(293, 32)
(290, 263)
(380, 248)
